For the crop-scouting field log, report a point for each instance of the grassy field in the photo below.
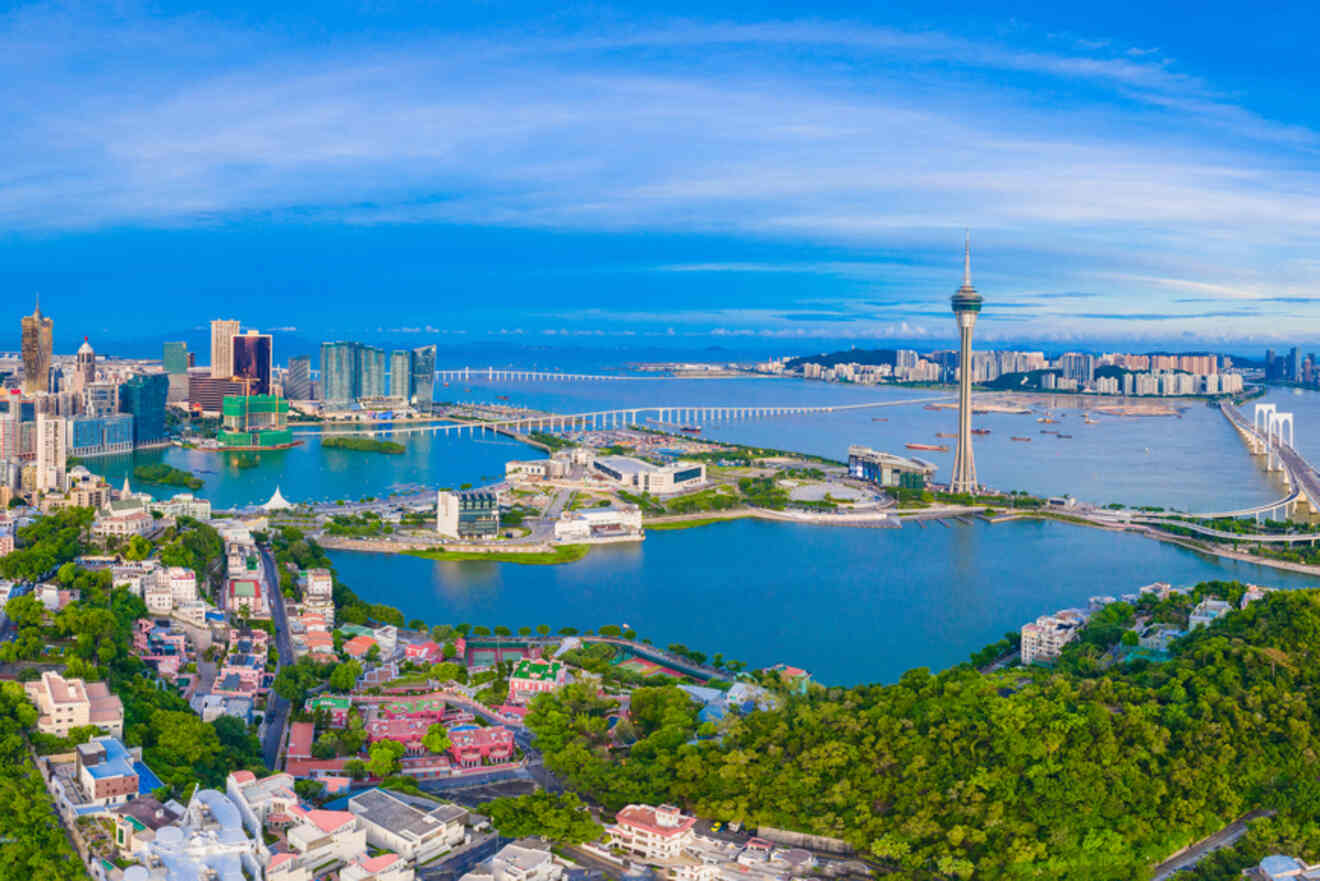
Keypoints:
(561, 554)
(688, 524)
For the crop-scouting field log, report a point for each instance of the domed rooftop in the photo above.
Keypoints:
(86, 348)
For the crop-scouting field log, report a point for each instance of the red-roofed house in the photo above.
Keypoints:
(285, 867)
(386, 867)
(474, 746)
(301, 735)
(404, 730)
(320, 836)
(246, 592)
(652, 833)
(358, 646)
(424, 652)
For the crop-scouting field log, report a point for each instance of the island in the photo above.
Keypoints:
(167, 475)
(363, 444)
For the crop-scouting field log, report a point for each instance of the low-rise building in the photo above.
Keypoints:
(137, 821)
(1207, 612)
(415, 834)
(64, 704)
(654, 834)
(599, 524)
(472, 746)
(1158, 639)
(532, 677)
(261, 801)
(468, 514)
(646, 477)
(246, 594)
(888, 470)
(517, 862)
(385, 867)
(106, 771)
(1043, 639)
(320, 837)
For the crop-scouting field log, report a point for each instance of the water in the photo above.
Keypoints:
(849, 605)
(1191, 462)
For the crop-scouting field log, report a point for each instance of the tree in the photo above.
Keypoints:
(436, 739)
(501, 630)
(417, 624)
(524, 631)
(309, 789)
(481, 630)
(562, 818)
(345, 676)
(138, 548)
(355, 768)
(383, 758)
(611, 630)
(543, 629)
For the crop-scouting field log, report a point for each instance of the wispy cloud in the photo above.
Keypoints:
(873, 143)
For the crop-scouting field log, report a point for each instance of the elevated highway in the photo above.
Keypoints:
(1279, 455)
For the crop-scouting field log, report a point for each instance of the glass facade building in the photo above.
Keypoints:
(144, 396)
(252, 361)
(175, 357)
(100, 435)
(339, 373)
(298, 379)
(401, 374)
(423, 378)
(371, 372)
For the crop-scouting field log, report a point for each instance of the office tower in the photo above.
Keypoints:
(144, 396)
(339, 373)
(371, 372)
(51, 454)
(298, 379)
(54, 379)
(175, 357)
(252, 361)
(401, 375)
(1295, 364)
(100, 399)
(38, 341)
(205, 392)
(966, 306)
(423, 378)
(223, 331)
(84, 371)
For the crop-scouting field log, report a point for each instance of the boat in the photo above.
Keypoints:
(945, 434)
(1063, 436)
(980, 431)
(930, 407)
(1025, 440)
(937, 448)
(501, 397)
(691, 429)
(879, 418)
(1047, 420)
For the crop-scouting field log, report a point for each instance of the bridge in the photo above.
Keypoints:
(503, 374)
(679, 414)
(1265, 437)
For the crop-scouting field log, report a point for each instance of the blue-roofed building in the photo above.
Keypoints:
(110, 773)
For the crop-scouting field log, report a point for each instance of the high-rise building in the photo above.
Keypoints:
(223, 331)
(206, 393)
(144, 396)
(252, 361)
(255, 421)
(371, 372)
(1078, 366)
(84, 371)
(1295, 364)
(175, 357)
(423, 377)
(51, 453)
(966, 304)
(298, 379)
(38, 342)
(401, 375)
(339, 373)
(100, 399)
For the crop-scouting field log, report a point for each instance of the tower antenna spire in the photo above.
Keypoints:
(967, 258)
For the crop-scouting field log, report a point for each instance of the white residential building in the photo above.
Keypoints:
(182, 584)
(416, 835)
(64, 704)
(1043, 639)
(655, 834)
(517, 862)
(385, 867)
(599, 524)
(260, 799)
(1207, 611)
(320, 836)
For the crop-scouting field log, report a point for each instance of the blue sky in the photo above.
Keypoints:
(1132, 171)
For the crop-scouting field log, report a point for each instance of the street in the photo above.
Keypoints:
(277, 708)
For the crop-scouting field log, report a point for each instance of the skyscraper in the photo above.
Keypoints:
(298, 379)
(401, 375)
(84, 372)
(252, 361)
(423, 378)
(144, 396)
(966, 306)
(223, 331)
(38, 340)
(371, 372)
(339, 373)
(175, 357)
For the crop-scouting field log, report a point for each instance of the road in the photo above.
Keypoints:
(277, 708)
(1225, 837)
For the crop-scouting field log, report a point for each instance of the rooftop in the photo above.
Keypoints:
(386, 810)
(539, 671)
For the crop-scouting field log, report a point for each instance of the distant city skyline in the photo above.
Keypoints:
(792, 173)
